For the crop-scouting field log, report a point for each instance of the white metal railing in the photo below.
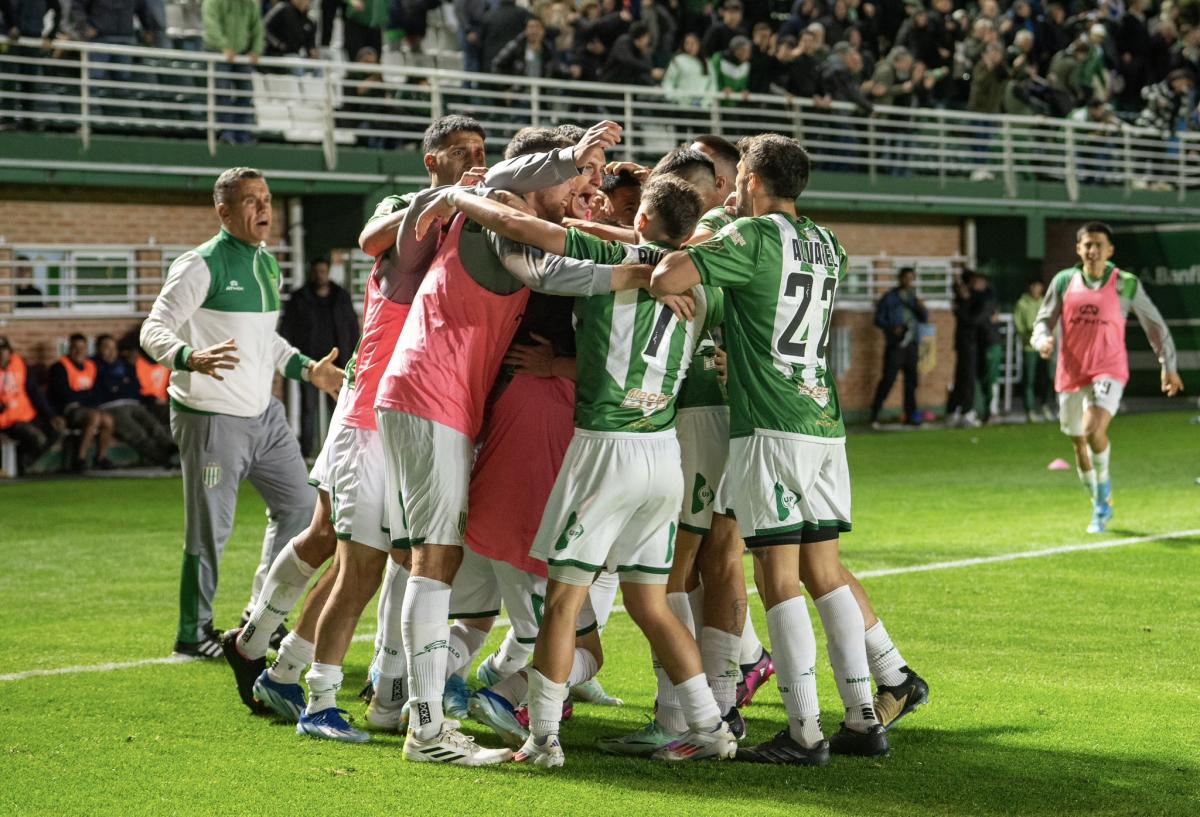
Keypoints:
(123, 279)
(93, 87)
(55, 280)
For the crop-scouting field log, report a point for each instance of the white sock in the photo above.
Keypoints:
(514, 688)
(699, 707)
(696, 603)
(294, 655)
(1088, 478)
(284, 585)
(545, 705)
(324, 681)
(1100, 463)
(680, 605)
(426, 633)
(795, 657)
(583, 668)
(603, 593)
(465, 644)
(843, 622)
(669, 712)
(391, 688)
(885, 660)
(752, 648)
(719, 652)
(512, 655)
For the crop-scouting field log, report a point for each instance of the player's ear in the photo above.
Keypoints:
(429, 161)
(642, 222)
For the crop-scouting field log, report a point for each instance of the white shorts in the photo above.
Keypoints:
(357, 476)
(318, 477)
(703, 448)
(615, 505)
(1103, 393)
(788, 489)
(429, 473)
(481, 584)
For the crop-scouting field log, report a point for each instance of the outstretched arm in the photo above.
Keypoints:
(1160, 339)
(496, 217)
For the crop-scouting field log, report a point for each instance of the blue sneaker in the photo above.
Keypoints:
(1102, 509)
(493, 711)
(487, 675)
(329, 724)
(454, 698)
(287, 700)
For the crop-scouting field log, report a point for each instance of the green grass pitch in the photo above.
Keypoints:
(1061, 685)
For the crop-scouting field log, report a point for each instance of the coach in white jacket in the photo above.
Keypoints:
(213, 325)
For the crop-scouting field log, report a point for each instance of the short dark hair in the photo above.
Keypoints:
(444, 127)
(1094, 227)
(781, 163)
(720, 146)
(905, 271)
(675, 203)
(75, 338)
(638, 30)
(572, 132)
(620, 181)
(227, 183)
(535, 140)
(688, 164)
(101, 338)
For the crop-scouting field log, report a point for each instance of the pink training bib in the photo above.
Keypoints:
(382, 322)
(1093, 335)
(450, 349)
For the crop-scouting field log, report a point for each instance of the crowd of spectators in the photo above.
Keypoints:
(1105, 61)
(85, 402)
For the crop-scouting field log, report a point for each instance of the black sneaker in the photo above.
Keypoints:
(737, 724)
(245, 671)
(871, 743)
(208, 647)
(893, 703)
(783, 749)
(105, 464)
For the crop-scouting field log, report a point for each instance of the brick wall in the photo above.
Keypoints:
(893, 234)
(856, 386)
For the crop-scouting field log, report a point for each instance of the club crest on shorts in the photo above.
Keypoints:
(702, 494)
(211, 476)
(573, 530)
(785, 501)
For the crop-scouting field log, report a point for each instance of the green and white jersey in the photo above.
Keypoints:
(632, 353)
(391, 204)
(225, 288)
(702, 388)
(715, 220)
(781, 277)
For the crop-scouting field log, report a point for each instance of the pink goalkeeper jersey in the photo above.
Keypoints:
(382, 322)
(449, 352)
(1093, 335)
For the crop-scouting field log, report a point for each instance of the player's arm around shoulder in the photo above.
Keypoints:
(729, 258)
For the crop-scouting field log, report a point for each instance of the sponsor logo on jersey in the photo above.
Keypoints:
(818, 394)
(702, 494)
(647, 401)
(731, 232)
(785, 501)
(234, 286)
(211, 476)
(573, 530)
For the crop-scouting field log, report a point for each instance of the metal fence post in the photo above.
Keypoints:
(85, 102)
(630, 131)
(535, 104)
(210, 114)
(1070, 167)
(329, 135)
(436, 102)
(1010, 173)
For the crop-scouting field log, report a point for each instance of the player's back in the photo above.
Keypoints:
(781, 276)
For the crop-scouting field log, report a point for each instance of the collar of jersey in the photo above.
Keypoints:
(1109, 268)
(236, 243)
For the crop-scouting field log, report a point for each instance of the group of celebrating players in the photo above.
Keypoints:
(666, 404)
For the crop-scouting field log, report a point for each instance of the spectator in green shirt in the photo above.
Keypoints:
(235, 28)
(1035, 372)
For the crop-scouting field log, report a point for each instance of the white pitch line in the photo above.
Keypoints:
(865, 574)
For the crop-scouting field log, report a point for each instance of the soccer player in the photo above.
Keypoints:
(787, 460)
(617, 496)
(350, 468)
(430, 407)
(1091, 301)
(213, 325)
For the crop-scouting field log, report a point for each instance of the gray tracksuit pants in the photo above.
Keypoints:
(218, 451)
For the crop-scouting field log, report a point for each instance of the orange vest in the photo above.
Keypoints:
(14, 402)
(153, 378)
(76, 379)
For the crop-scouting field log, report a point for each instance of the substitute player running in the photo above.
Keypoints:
(787, 458)
(1092, 300)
